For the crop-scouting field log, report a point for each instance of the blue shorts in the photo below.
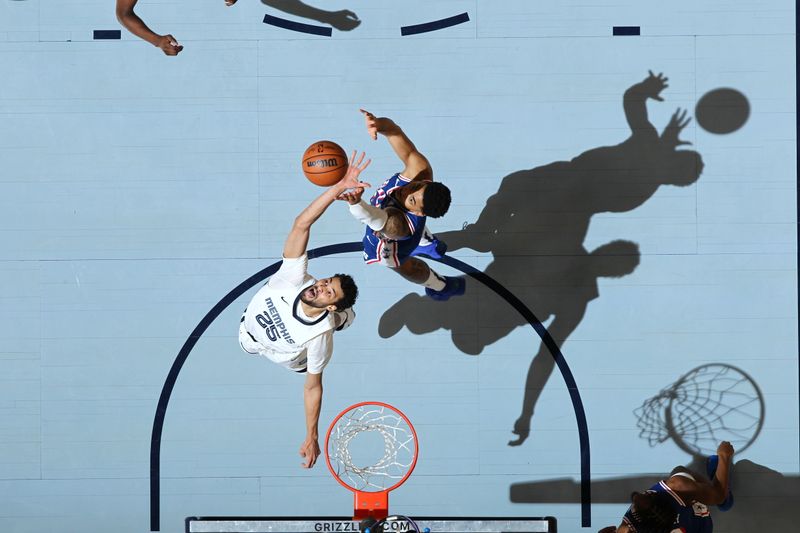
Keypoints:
(387, 252)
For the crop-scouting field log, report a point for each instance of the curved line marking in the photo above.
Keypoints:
(172, 377)
(434, 25)
(297, 26)
(566, 373)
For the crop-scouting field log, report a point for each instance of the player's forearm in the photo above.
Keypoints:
(311, 214)
(721, 480)
(372, 216)
(312, 397)
(133, 23)
(398, 140)
(635, 104)
(299, 9)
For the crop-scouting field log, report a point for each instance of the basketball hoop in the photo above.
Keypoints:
(371, 483)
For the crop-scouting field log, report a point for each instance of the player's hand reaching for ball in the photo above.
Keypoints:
(653, 85)
(372, 123)
(351, 196)
(169, 45)
(350, 182)
(310, 451)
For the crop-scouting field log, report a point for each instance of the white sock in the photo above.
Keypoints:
(435, 281)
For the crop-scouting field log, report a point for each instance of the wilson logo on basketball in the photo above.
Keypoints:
(323, 163)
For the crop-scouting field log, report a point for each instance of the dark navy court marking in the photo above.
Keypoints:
(297, 26)
(626, 30)
(434, 25)
(243, 287)
(107, 34)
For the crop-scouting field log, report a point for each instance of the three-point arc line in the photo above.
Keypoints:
(405, 30)
(434, 25)
(183, 354)
(297, 26)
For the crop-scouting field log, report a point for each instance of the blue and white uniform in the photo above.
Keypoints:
(390, 252)
(691, 516)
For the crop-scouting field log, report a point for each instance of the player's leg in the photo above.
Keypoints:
(437, 286)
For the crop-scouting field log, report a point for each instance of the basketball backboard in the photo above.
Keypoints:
(332, 524)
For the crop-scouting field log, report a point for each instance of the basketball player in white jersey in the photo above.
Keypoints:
(291, 319)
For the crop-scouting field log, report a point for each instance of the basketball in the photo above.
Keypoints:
(324, 163)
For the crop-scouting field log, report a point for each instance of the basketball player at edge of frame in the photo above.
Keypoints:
(679, 504)
(128, 18)
(292, 318)
(396, 214)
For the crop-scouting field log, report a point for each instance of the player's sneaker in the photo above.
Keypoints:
(453, 286)
(711, 469)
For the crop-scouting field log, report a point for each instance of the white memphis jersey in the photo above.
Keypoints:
(275, 326)
(274, 318)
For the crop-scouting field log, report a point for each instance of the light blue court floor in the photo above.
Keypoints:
(138, 190)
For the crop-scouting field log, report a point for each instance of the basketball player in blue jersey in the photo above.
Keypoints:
(292, 318)
(679, 504)
(396, 213)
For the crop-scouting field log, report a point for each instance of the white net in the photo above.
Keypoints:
(709, 404)
(351, 434)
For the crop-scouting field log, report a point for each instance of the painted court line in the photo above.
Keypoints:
(297, 26)
(107, 34)
(258, 277)
(626, 30)
(434, 25)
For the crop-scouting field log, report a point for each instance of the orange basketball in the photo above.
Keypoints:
(324, 163)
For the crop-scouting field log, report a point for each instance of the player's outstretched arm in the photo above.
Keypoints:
(312, 398)
(713, 493)
(128, 18)
(635, 102)
(297, 241)
(417, 166)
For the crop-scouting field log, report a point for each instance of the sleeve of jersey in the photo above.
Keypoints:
(320, 350)
(628, 519)
(414, 223)
(292, 273)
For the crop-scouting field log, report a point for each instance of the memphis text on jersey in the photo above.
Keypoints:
(272, 323)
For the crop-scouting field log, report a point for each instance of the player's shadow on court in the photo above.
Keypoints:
(535, 226)
(342, 19)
